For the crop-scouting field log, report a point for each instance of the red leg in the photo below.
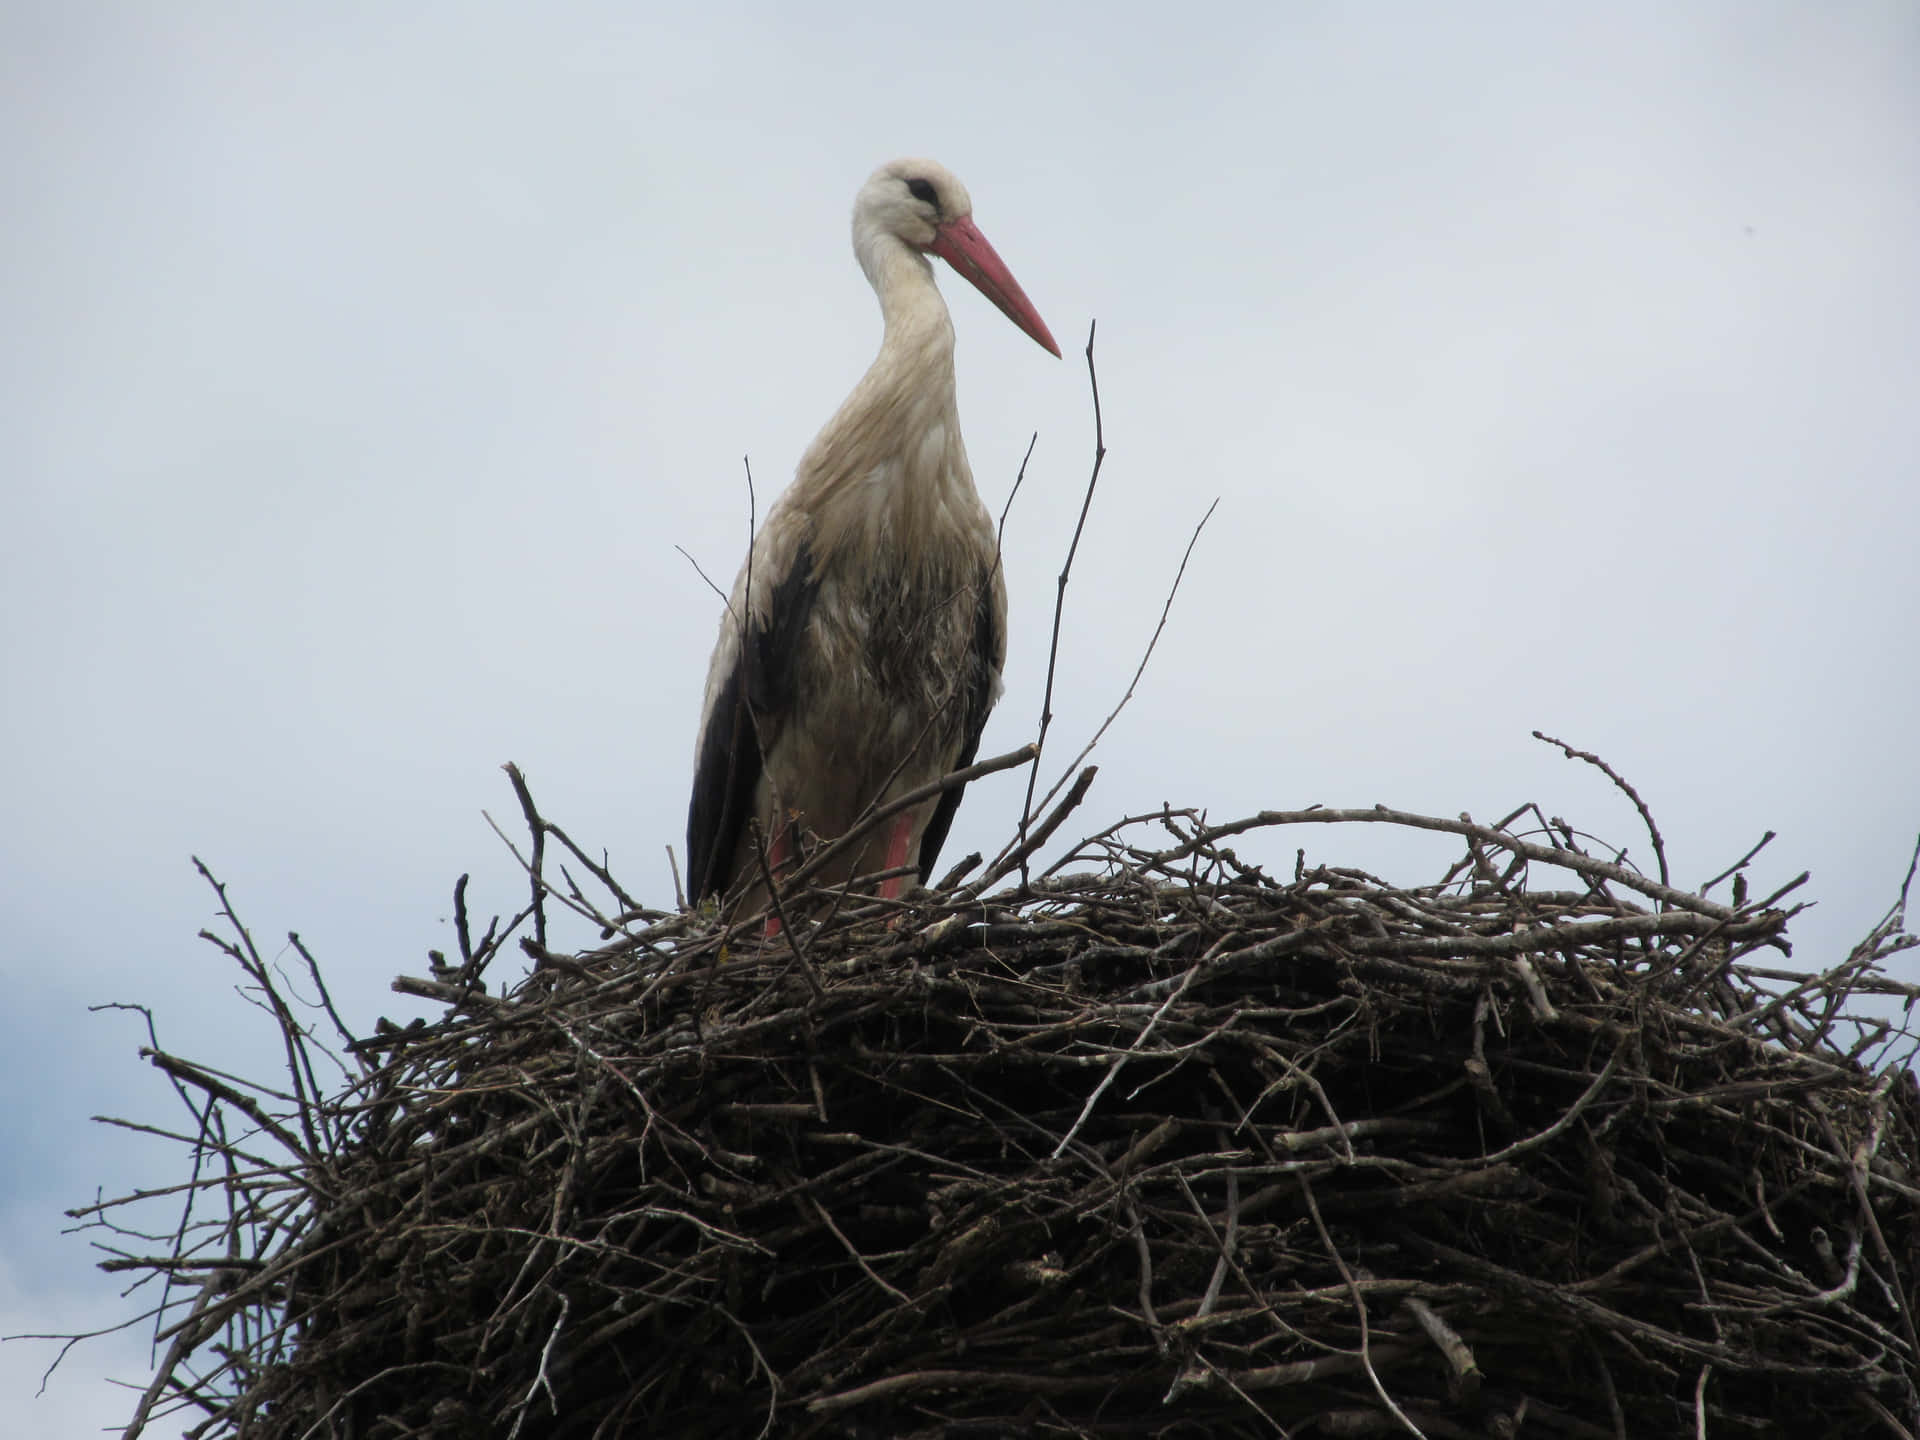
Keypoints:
(776, 857)
(899, 835)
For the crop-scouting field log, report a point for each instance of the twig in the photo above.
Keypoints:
(1739, 864)
(858, 1259)
(1145, 1252)
(1465, 1382)
(1040, 834)
(1359, 1305)
(540, 1380)
(1060, 588)
(1646, 815)
(1575, 860)
(536, 859)
(1153, 642)
(780, 910)
(1113, 1069)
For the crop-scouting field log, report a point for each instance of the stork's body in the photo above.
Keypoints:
(862, 647)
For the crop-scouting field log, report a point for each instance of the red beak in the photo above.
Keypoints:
(960, 243)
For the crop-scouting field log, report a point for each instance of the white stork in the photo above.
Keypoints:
(863, 641)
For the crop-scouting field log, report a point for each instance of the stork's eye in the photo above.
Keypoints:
(923, 190)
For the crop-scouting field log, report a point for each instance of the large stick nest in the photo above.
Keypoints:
(1158, 1143)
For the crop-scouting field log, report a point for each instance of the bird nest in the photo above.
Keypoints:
(1154, 1142)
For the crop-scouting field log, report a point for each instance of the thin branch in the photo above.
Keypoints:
(1138, 670)
(536, 858)
(1060, 588)
(1619, 780)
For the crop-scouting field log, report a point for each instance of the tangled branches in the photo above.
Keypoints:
(1157, 1143)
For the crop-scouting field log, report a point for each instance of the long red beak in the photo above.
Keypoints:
(960, 243)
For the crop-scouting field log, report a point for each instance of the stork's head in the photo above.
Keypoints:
(923, 205)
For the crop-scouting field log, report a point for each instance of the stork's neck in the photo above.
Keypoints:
(889, 472)
(915, 363)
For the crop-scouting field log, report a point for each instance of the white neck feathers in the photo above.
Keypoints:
(890, 463)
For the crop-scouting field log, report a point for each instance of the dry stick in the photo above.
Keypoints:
(541, 888)
(1042, 833)
(779, 908)
(687, 556)
(679, 891)
(1306, 1077)
(1224, 1246)
(1859, 1164)
(1849, 1282)
(918, 1381)
(1823, 982)
(1576, 860)
(388, 1374)
(1113, 1069)
(1359, 1304)
(290, 1033)
(1740, 864)
(1891, 927)
(1646, 815)
(326, 1001)
(1000, 530)
(599, 871)
(538, 855)
(1340, 1362)
(1885, 1416)
(1060, 591)
(1702, 1231)
(1459, 1355)
(1899, 912)
(194, 1075)
(1535, 1141)
(773, 1379)
(1146, 1272)
(185, 1341)
(1021, 849)
(1713, 974)
(1105, 838)
(1614, 1408)
(960, 870)
(1140, 669)
(1232, 1383)
(460, 926)
(540, 1380)
(858, 1259)
(235, 1228)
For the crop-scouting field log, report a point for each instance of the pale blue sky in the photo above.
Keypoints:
(1557, 367)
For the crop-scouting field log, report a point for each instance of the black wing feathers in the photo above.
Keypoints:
(723, 783)
(776, 645)
(759, 689)
(979, 703)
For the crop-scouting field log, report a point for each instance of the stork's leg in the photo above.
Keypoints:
(776, 857)
(899, 836)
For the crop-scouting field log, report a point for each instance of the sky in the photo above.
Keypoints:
(363, 369)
